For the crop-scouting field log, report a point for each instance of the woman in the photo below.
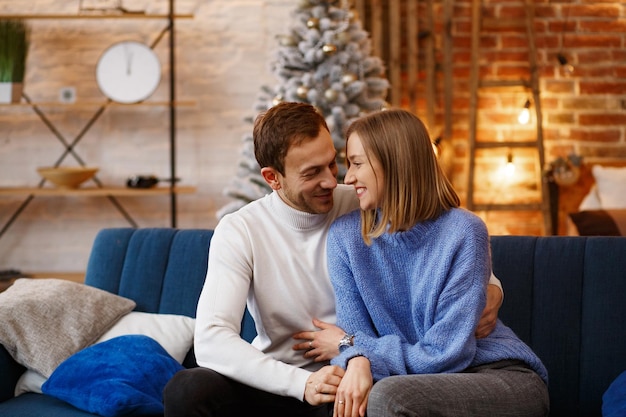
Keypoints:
(409, 270)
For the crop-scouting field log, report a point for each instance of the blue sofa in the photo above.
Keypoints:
(565, 296)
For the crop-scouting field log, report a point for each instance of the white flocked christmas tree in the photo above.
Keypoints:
(324, 59)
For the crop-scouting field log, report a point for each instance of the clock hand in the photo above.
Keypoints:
(129, 59)
(129, 64)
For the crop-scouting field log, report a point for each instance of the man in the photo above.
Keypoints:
(271, 254)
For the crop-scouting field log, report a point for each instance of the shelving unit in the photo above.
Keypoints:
(101, 190)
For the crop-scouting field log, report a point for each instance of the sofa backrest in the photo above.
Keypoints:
(162, 269)
(566, 298)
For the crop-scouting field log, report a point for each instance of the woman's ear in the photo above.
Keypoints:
(271, 177)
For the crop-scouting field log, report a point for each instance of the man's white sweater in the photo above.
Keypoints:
(272, 257)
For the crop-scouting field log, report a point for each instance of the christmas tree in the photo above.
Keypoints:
(324, 59)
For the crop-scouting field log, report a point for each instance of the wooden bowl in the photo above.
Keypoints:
(67, 177)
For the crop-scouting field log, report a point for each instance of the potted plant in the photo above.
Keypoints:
(14, 43)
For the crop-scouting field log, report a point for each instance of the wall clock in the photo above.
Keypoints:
(128, 72)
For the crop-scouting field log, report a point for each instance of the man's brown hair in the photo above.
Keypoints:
(280, 127)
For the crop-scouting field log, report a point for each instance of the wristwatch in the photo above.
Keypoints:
(346, 341)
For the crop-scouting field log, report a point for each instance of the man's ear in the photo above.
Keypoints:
(271, 176)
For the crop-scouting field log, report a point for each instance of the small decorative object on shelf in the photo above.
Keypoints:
(566, 171)
(14, 43)
(67, 177)
(145, 181)
(141, 181)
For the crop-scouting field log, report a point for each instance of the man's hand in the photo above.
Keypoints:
(323, 344)
(321, 386)
(488, 319)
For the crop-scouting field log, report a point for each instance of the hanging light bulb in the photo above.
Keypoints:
(565, 65)
(436, 143)
(524, 115)
(509, 169)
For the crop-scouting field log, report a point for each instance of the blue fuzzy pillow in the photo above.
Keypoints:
(614, 399)
(123, 376)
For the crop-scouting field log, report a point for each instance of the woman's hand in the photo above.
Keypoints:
(354, 389)
(323, 344)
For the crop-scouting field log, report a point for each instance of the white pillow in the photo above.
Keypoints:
(591, 200)
(173, 332)
(30, 381)
(611, 183)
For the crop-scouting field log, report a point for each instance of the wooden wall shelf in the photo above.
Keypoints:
(92, 104)
(97, 16)
(95, 191)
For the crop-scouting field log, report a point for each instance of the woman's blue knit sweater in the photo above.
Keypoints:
(413, 299)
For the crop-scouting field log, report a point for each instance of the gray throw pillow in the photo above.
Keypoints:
(44, 321)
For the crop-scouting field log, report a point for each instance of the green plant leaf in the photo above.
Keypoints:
(14, 44)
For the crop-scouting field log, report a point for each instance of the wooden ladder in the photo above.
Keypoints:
(532, 84)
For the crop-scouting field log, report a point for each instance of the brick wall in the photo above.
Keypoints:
(583, 111)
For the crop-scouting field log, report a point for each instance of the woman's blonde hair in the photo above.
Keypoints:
(415, 186)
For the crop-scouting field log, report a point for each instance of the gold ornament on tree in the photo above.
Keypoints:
(302, 91)
(329, 49)
(348, 78)
(277, 100)
(313, 23)
(331, 95)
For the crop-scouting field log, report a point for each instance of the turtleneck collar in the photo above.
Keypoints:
(296, 219)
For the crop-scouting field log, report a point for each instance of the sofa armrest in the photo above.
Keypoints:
(11, 372)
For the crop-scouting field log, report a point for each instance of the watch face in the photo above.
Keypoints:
(128, 72)
(345, 342)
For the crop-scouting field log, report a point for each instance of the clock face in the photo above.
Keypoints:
(128, 72)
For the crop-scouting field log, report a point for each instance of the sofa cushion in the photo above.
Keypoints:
(47, 320)
(31, 404)
(174, 332)
(600, 222)
(30, 381)
(614, 399)
(122, 376)
(611, 183)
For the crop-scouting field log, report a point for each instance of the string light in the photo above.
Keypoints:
(436, 143)
(524, 115)
(509, 169)
(565, 65)
(567, 68)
